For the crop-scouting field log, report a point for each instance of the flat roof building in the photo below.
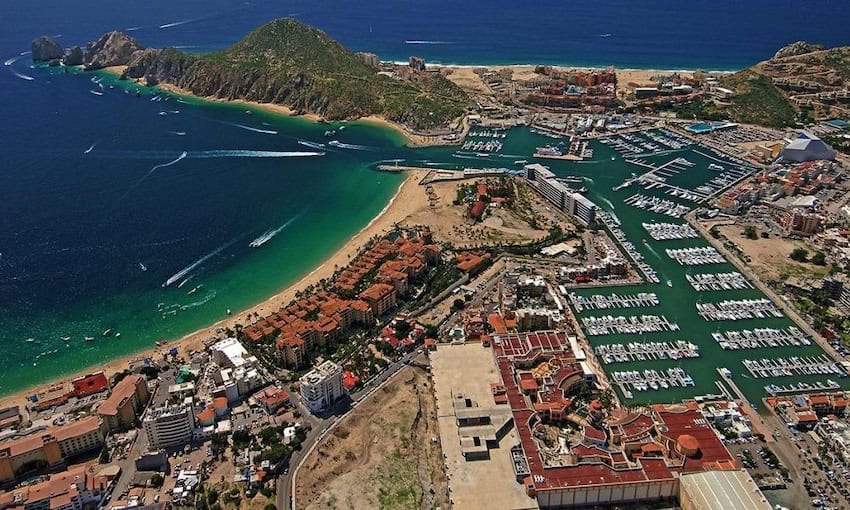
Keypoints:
(123, 406)
(322, 386)
(721, 490)
(169, 427)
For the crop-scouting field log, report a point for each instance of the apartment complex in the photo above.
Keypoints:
(322, 386)
(73, 489)
(126, 402)
(237, 372)
(562, 197)
(169, 427)
(49, 448)
(380, 297)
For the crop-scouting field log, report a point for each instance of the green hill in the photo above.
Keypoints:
(289, 63)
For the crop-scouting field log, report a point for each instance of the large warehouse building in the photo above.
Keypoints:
(807, 147)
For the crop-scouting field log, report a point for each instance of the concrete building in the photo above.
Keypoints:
(559, 195)
(169, 427)
(50, 448)
(581, 208)
(720, 490)
(322, 386)
(122, 408)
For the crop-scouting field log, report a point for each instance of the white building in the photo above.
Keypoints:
(322, 386)
(238, 373)
(807, 147)
(560, 195)
(229, 353)
(169, 427)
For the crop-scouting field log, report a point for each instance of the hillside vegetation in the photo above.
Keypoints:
(289, 63)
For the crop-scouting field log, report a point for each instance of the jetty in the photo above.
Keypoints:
(630, 249)
(796, 365)
(637, 351)
(761, 338)
(718, 281)
(621, 325)
(696, 256)
(669, 231)
(733, 310)
(602, 302)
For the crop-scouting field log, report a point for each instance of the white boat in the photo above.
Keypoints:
(65, 338)
(669, 283)
(89, 338)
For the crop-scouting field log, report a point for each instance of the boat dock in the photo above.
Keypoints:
(802, 387)
(760, 338)
(636, 351)
(621, 325)
(696, 256)
(669, 231)
(651, 380)
(733, 310)
(718, 281)
(657, 205)
(602, 302)
(608, 220)
(796, 365)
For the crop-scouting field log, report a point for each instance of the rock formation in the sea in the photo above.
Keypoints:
(288, 63)
(73, 57)
(112, 49)
(45, 48)
(797, 48)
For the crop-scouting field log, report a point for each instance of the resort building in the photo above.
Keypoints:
(123, 407)
(562, 197)
(73, 489)
(49, 448)
(380, 297)
(322, 386)
(581, 208)
(169, 427)
(90, 384)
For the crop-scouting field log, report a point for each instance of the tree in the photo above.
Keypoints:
(751, 232)
(104, 456)
(799, 254)
(157, 480)
(458, 304)
(819, 258)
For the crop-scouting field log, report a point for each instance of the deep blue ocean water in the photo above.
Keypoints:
(77, 227)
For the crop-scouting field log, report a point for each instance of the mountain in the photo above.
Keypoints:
(289, 63)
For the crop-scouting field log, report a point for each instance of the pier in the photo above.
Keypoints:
(718, 281)
(609, 222)
(636, 351)
(651, 380)
(669, 231)
(696, 256)
(796, 365)
(621, 325)
(602, 302)
(733, 310)
(760, 338)
(657, 205)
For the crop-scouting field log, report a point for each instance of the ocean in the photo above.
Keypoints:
(138, 215)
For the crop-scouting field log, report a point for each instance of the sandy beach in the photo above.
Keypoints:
(408, 199)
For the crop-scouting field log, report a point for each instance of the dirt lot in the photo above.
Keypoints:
(771, 257)
(383, 455)
(503, 225)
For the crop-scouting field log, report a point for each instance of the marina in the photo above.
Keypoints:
(621, 325)
(795, 365)
(657, 205)
(733, 310)
(802, 387)
(760, 338)
(602, 302)
(636, 351)
(718, 281)
(669, 231)
(651, 379)
(696, 256)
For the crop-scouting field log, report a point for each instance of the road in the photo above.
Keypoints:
(324, 424)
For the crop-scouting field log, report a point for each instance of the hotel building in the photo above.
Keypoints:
(322, 386)
(169, 427)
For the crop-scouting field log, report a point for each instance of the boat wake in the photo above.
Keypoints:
(178, 133)
(12, 60)
(587, 179)
(179, 158)
(238, 153)
(419, 41)
(337, 143)
(206, 299)
(133, 29)
(22, 76)
(312, 145)
(609, 203)
(269, 234)
(90, 148)
(650, 248)
(615, 218)
(604, 35)
(179, 275)
(256, 130)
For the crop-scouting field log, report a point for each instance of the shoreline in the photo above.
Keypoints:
(403, 202)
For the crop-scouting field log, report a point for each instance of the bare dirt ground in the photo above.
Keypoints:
(448, 222)
(386, 454)
(770, 258)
